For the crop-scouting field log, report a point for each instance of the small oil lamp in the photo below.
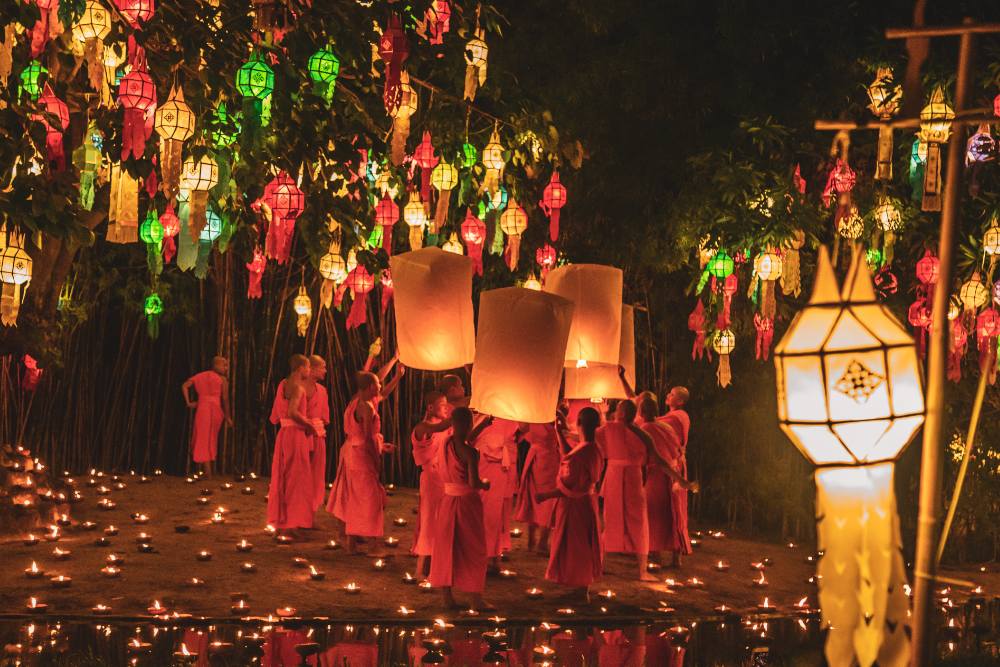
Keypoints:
(404, 610)
(111, 572)
(283, 540)
(247, 491)
(425, 586)
(722, 566)
(107, 504)
(184, 656)
(315, 574)
(218, 518)
(144, 537)
(100, 609)
(141, 519)
(299, 561)
(332, 544)
(515, 532)
(111, 531)
(534, 593)
(89, 525)
(248, 567)
(138, 647)
(33, 572)
(243, 546)
(409, 579)
(202, 500)
(566, 611)
(679, 635)
(206, 492)
(507, 573)
(761, 581)
(391, 542)
(36, 607)
(115, 559)
(195, 582)
(102, 542)
(379, 564)
(61, 554)
(240, 607)
(285, 612)
(53, 534)
(695, 582)
(204, 555)
(145, 548)
(61, 581)
(227, 485)
(30, 540)
(399, 521)
(63, 520)
(156, 608)
(766, 605)
(352, 588)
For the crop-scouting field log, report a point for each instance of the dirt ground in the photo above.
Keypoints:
(164, 574)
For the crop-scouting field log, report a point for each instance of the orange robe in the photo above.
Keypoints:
(679, 424)
(208, 416)
(540, 469)
(498, 456)
(659, 488)
(317, 407)
(358, 497)
(575, 554)
(459, 555)
(290, 494)
(425, 455)
(626, 526)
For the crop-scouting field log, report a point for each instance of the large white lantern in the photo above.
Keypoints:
(433, 305)
(600, 381)
(850, 396)
(520, 347)
(596, 291)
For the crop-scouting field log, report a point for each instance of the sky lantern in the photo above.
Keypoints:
(285, 203)
(601, 381)
(433, 307)
(444, 178)
(494, 161)
(415, 218)
(401, 113)
(474, 236)
(884, 97)
(171, 228)
(724, 342)
(174, 122)
(198, 177)
(386, 215)
(513, 222)
(850, 397)
(324, 67)
(91, 28)
(553, 199)
(302, 305)
(520, 347)
(424, 157)
(255, 273)
(360, 282)
(55, 125)
(15, 275)
(935, 128)
(476, 57)
(596, 291)
(137, 96)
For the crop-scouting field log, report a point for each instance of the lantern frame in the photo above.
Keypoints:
(94, 22)
(213, 227)
(514, 220)
(255, 79)
(201, 175)
(174, 120)
(324, 66)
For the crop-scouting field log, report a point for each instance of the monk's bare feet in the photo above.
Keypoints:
(646, 576)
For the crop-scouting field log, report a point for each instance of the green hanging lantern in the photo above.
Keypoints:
(225, 127)
(721, 266)
(31, 80)
(153, 307)
(498, 200)
(470, 155)
(323, 70)
(87, 160)
(151, 231)
(212, 228)
(255, 82)
(874, 258)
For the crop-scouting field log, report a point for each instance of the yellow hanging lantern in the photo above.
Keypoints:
(494, 162)
(90, 30)
(852, 225)
(444, 178)
(850, 398)
(123, 211)
(889, 221)
(935, 128)
(991, 240)
(532, 283)
(476, 55)
(513, 222)
(974, 294)
(174, 122)
(407, 106)
(415, 217)
(15, 275)
(333, 269)
(767, 267)
(884, 100)
(303, 310)
(198, 177)
(724, 342)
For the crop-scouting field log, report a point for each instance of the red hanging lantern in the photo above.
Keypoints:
(928, 269)
(394, 50)
(171, 228)
(55, 153)
(387, 288)
(438, 18)
(32, 373)
(553, 199)
(423, 157)
(45, 27)
(696, 324)
(285, 201)
(386, 215)
(987, 332)
(546, 258)
(137, 95)
(958, 343)
(474, 236)
(919, 316)
(256, 267)
(360, 282)
(136, 12)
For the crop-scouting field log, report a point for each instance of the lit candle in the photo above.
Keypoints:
(695, 582)
(409, 579)
(141, 518)
(286, 612)
(399, 521)
(283, 540)
(607, 594)
(185, 656)
(761, 581)
(425, 586)
(566, 611)
(115, 559)
(204, 555)
(101, 609)
(315, 574)
(30, 540)
(107, 504)
(652, 567)
(695, 543)
(136, 646)
(766, 606)
(248, 567)
(332, 544)
(120, 486)
(791, 545)
(33, 572)
(391, 542)
(61, 581)
(722, 609)
(270, 530)
(111, 531)
(239, 608)
(404, 611)
(218, 518)
(244, 546)
(379, 564)
(145, 548)
(352, 588)
(195, 582)
(722, 566)
(508, 573)
(63, 520)
(89, 525)
(534, 593)
(679, 634)
(202, 500)
(144, 537)
(156, 608)
(515, 532)
(103, 490)
(758, 565)
(247, 491)
(226, 486)
(299, 561)
(53, 534)
(717, 535)
(37, 607)
(111, 572)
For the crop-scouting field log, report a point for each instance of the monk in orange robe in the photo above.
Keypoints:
(211, 410)
(459, 556)
(679, 424)
(319, 409)
(576, 555)
(541, 466)
(497, 447)
(290, 502)
(426, 439)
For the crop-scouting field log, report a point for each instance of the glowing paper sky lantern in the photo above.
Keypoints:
(360, 282)
(324, 67)
(285, 203)
(474, 236)
(302, 305)
(601, 381)
(850, 398)
(596, 291)
(520, 346)
(401, 113)
(198, 177)
(433, 307)
(476, 57)
(137, 95)
(935, 128)
(55, 124)
(513, 222)
(174, 122)
(444, 178)
(415, 217)
(553, 199)
(386, 215)
(15, 275)
(884, 99)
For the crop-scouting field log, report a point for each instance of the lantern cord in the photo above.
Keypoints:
(977, 407)
(470, 107)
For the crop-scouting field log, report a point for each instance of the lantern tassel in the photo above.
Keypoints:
(326, 293)
(512, 253)
(169, 249)
(861, 583)
(198, 214)
(724, 374)
(765, 334)
(123, 211)
(883, 164)
(416, 237)
(255, 268)
(359, 311)
(397, 143)
(441, 210)
(957, 345)
(153, 325)
(931, 200)
(791, 274)
(170, 167)
(475, 251)
(768, 303)
(11, 297)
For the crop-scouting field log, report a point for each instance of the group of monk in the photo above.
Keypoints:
(471, 488)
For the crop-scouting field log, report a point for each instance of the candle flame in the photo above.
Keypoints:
(33, 603)
(184, 649)
(766, 603)
(312, 569)
(801, 603)
(34, 566)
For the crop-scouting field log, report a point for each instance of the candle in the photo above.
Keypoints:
(607, 594)
(299, 561)
(184, 655)
(89, 525)
(119, 486)
(247, 491)
(652, 567)
(767, 562)
(156, 608)
(679, 634)
(111, 572)
(404, 611)
(144, 537)
(195, 582)
(270, 530)
(425, 586)
(761, 581)
(63, 520)
(103, 490)
(115, 559)
(508, 573)
(248, 567)
(220, 648)
(111, 531)
(283, 540)
(240, 607)
(695, 543)
(399, 521)
(695, 582)
(391, 542)
(61, 581)
(717, 534)
(100, 609)
(469, 612)
(791, 545)
(53, 534)
(144, 480)
(204, 555)
(33, 572)
(534, 593)
(722, 566)
(409, 578)
(136, 646)
(332, 544)
(145, 548)
(202, 500)
(566, 611)
(37, 607)
(379, 564)
(315, 574)
(352, 588)
(227, 485)
(244, 546)
(723, 609)
(515, 532)
(285, 612)
(30, 540)
(107, 504)
(141, 518)
(757, 566)
(766, 606)
(218, 518)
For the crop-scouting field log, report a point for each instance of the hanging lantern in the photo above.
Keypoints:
(423, 157)
(493, 160)
(850, 397)
(55, 123)
(884, 97)
(213, 227)
(974, 294)
(137, 96)
(889, 221)
(91, 28)
(438, 19)
(991, 241)
(334, 271)
(198, 177)
(255, 268)
(724, 342)
(553, 199)
(394, 49)
(386, 215)
(981, 146)
(935, 128)
(545, 257)
(470, 155)
(401, 114)
(302, 305)
(453, 245)
(46, 27)
(851, 226)
(696, 325)
(532, 283)
(360, 282)
(171, 225)
(513, 222)
(87, 159)
(996, 292)
(136, 12)
(721, 265)
(596, 292)
(767, 267)
(283, 202)
(255, 82)
(958, 342)
(474, 236)
(928, 269)
(174, 122)
(30, 80)
(225, 127)
(151, 233)
(476, 55)
(987, 332)
(919, 317)
(324, 67)
(15, 275)
(415, 217)
(791, 275)
(444, 178)
(388, 289)
(123, 210)
(153, 308)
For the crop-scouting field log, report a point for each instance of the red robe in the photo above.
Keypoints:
(208, 416)
(659, 488)
(626, 526)
(540, 469)
(575, 554)
(358, 497)
(679, 424)
(425, 455)
(318, 407)
(498, 456)
(459, 554)
(290, 494)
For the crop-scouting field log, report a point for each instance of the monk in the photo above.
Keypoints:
(426, 438)
(660, 483)
(454, 391)
(358, 497)
(630, 392)
(576, 556)
(319, 409)
(679, 423)
(211, 410)
(627, 449)
(459, 555)
(541, 467)
(497, 447)
(290, 502)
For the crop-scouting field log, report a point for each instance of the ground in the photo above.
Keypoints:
(164, 574)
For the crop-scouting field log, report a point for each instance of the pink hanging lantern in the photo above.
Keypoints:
(256, 267)
(553, 199)
(136, 12)
(171, 228)
(47, 23)
(546, 259)
(928, 269)
(474, 236)
(919, 316)
(55, 153)
(423, 156)
(438, 18)
(394, 50)
(958, 343)
(696, 324)
(137, 95)
(285, 201)
(360, 282)
(987, 332)
(386, 215)
(32, 373)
